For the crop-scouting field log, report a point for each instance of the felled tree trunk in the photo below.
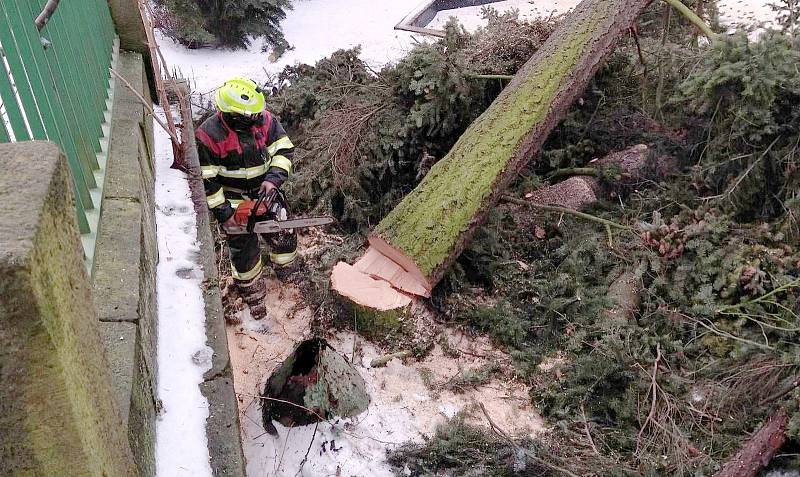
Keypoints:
(428, 230)
(759, 450)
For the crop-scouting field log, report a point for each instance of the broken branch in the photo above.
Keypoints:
(564, 210)
(491, 77)
(503, 435)
(174, 137)
(47, 12)
(759, 450)
(384, 360)
(574, 171)
(694, 19)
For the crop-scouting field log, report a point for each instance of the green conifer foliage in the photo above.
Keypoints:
(750, 91)
(228, 23)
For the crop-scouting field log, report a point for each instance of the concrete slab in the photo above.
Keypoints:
(131, 68)
(117, 261)
(227, 459)
(123, 180)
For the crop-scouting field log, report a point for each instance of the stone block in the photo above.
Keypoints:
(57, 411)
(130, 27)
(144, 406)
(127, 104)
(123, 180)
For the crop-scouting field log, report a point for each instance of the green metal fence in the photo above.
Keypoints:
(54, 85)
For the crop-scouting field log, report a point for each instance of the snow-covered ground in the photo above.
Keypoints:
(746, 12)
(732, 12)
(408, 400)
(315, 28)
(183, 357)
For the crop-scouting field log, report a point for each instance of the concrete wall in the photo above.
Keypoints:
(126, 255)
(57, 413)
(124, 276)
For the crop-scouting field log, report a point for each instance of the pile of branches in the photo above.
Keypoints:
(705, 267)
(656, 346)
(366, 137)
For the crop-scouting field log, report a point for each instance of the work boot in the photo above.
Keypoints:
(253, 293)
(292, 272)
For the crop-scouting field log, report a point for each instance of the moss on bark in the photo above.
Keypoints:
(434, 222)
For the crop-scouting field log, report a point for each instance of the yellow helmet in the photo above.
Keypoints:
(240, 96)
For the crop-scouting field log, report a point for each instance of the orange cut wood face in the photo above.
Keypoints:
(412, 271)
(363, 290)
(378, 265)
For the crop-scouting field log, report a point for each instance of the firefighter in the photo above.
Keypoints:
(244, 151)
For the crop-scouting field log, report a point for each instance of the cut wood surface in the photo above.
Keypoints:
(377, 265)
(366, 291)
(581, 190)
(759, 450)
(625, 296)
(573, 193)
(427, 231)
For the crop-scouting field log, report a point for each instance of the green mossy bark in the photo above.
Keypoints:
(434, 222)
(378, 324)
(340, 391)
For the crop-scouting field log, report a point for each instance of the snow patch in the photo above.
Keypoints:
(746, 13)
(183, 357)
(735, 13)
(408, 400)
(315, 28)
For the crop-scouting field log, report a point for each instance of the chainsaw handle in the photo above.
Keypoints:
(263, 197)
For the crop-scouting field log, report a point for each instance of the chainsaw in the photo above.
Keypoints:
(261, 216)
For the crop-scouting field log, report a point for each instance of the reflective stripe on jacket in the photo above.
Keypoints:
(235, 163)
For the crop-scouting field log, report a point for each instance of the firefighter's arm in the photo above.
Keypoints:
(281, 151)
(217, 203)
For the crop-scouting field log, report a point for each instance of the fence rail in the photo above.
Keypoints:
(55, 85)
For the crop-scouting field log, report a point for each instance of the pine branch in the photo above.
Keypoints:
(729, 310)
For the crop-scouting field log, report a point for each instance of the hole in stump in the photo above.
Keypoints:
(314, 382)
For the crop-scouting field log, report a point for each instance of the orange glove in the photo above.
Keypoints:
(245, 209)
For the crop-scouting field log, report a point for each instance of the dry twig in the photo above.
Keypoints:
(503, 435)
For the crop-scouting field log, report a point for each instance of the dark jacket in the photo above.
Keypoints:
(235, 163)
